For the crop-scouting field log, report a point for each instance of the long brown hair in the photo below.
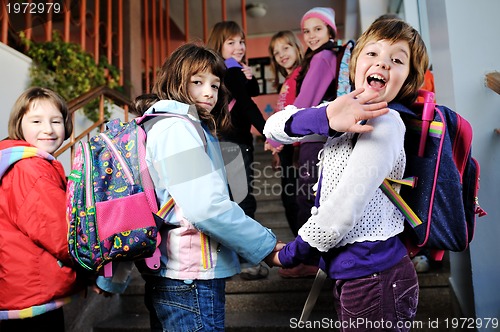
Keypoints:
(287, 37)
(223, 31)
(175, 75)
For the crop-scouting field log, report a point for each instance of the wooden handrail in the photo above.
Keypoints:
(102, 92)
(105, 91)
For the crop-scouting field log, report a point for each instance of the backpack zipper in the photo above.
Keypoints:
(88, 172)
(126, 170)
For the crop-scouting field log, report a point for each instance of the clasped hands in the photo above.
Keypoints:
(272, 259)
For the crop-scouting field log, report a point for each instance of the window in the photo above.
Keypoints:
(261, 68)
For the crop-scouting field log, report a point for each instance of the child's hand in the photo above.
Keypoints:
(345, 112)
(99, 291)
(273, 146)
(272, 259)
(247, 70)
(275, 162)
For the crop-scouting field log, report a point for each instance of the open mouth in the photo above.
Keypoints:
(376, 81)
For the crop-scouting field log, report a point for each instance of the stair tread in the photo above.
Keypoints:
(272, 321)
(127, 322)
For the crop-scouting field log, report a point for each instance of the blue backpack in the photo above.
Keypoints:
(341, 85)
(441, 181)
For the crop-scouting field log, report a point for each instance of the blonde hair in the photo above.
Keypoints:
(24, 103)
(287, 37)
(394, 30)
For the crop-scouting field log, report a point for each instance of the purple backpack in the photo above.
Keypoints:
(111, 206)
(440, 200)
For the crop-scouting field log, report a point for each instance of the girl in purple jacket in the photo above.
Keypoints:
(354, 226)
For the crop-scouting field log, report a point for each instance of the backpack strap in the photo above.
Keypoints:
(148, 120)
(344, 85)
(400, 203)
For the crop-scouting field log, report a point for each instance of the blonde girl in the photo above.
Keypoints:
(36, 277)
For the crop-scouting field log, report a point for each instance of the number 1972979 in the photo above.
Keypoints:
(33, 7)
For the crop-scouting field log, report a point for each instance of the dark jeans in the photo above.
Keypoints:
(52, 321)
(308, 176)
(289, 180)
(176, 305)
(385, 301)
(249, 203)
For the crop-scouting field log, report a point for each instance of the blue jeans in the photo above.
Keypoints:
(177, 305)
(385, 301)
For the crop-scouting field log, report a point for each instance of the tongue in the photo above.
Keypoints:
(377, 84)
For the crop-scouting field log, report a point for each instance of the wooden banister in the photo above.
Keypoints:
(105, 91)
(102, 92)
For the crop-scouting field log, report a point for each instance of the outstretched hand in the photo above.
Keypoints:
(345, 112)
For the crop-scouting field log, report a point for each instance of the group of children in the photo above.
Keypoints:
(351, 228)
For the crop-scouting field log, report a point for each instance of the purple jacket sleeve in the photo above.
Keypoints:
(308, 121)
(320, 74)
(296, 252)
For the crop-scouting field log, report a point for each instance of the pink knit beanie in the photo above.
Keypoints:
(325, 14)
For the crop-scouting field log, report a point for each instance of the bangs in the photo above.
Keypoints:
(208, 62)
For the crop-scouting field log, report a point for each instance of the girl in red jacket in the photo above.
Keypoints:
(36, 277)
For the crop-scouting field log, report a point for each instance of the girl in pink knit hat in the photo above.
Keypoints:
(314, 85)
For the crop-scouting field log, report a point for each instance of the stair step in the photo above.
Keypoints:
(273, 322)
(270, 205)
(276, 218)
(126, 322)
(273, 293)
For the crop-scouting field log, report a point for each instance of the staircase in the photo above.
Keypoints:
(274, 304)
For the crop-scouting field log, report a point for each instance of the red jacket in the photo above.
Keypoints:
(34, 258)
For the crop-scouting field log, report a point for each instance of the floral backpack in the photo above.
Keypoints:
(111, 207)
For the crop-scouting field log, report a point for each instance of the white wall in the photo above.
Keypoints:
(14, 71)
(465, 43)
(370, 10)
